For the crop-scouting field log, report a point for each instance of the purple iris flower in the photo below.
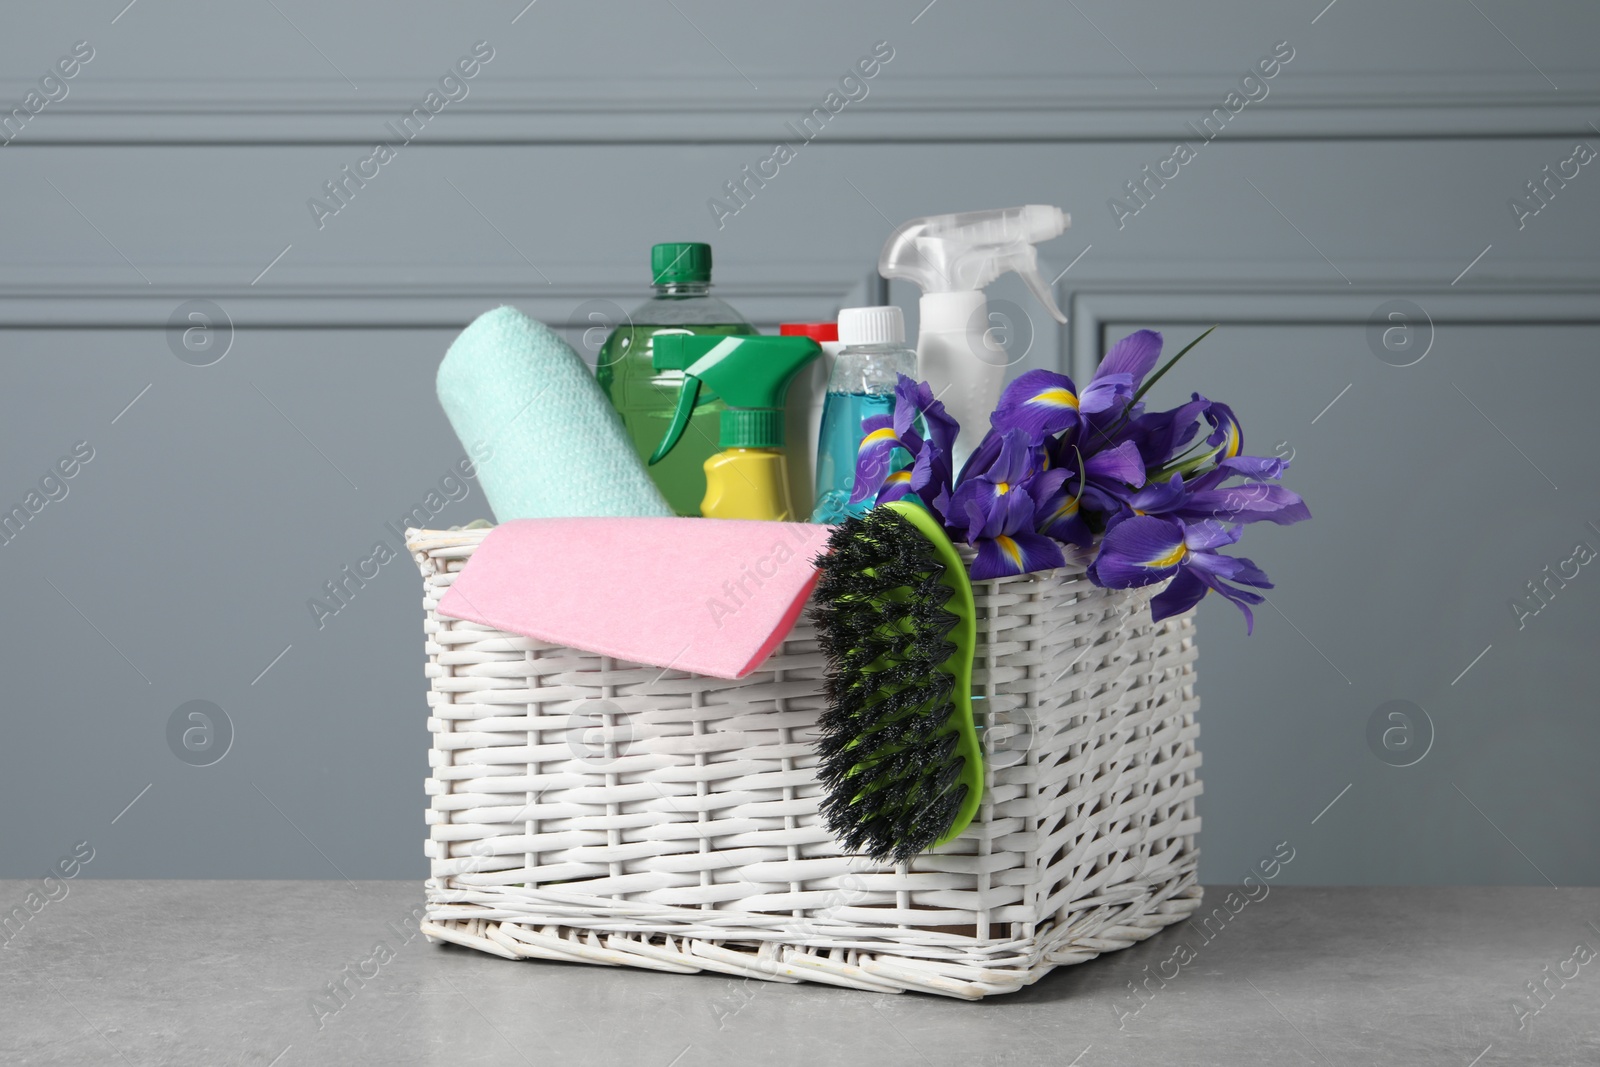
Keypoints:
(913, 401)
(915, 413)
(983, 456)
(1043, 403)
(1060, 513)
(1162, 435)
(1064, 466)
(1015, 552)
(1103, 479)
(1135, 355)
(875, 456)
(984, 501)
(1227, 438)
(995, 510)
(1206, 497)
(1146, 549)
(932, 468)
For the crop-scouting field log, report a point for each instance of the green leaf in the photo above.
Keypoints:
(1156, 377)
(1122, 418)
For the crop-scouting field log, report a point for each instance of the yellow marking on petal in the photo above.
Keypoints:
(877, 437)
(1139, 511)
(1065, 511)
(1011, 549)
(1056, 397)
(1233, 442)
(898, 477)
(1002, 488)
(1171, 559)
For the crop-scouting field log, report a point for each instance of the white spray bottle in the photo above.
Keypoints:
(953, 258)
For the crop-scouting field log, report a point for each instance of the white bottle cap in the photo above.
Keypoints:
(872, 326)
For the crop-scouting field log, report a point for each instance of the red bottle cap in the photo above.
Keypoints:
(817, 331)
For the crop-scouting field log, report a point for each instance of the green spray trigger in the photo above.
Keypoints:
(750, 374)
(688, 397)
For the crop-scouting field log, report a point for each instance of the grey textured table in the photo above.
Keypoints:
(238, 973)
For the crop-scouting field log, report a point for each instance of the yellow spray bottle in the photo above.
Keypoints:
(749, 477)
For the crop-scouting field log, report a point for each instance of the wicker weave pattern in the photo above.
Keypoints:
(590, 809)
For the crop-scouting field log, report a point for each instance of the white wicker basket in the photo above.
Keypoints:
(594, 810)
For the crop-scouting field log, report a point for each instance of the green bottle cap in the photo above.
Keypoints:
(680, 262)
(751, 428)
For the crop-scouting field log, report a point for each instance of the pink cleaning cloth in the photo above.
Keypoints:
(712, 596)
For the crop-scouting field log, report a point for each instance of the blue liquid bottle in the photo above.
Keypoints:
(862, 385)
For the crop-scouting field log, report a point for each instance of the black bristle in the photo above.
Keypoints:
(882, 624)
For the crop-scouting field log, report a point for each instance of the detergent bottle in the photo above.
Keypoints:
(646, 397)
(807, 394)
(952, 258)
(861, 385)
(748, 477)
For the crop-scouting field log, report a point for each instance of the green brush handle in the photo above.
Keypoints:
(964, 635)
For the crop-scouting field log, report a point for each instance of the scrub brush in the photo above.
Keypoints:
(899, 754)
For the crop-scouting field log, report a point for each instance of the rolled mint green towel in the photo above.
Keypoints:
(546, 442)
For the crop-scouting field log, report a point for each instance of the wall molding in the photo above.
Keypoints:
(1093, 312)
(399, 296)
(910, 109)
(391, 296)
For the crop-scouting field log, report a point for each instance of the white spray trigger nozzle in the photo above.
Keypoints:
(1026, 263)
(965, 252)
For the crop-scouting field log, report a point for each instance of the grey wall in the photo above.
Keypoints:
(179, 564)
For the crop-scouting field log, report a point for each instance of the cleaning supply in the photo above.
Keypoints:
(953, 258)
(545, 441)
(899, 751)
(699, 595)
(645, 396)
(806, 393)
(862, 384)
(749, 477)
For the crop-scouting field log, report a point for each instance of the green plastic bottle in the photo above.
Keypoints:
(645, 397)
